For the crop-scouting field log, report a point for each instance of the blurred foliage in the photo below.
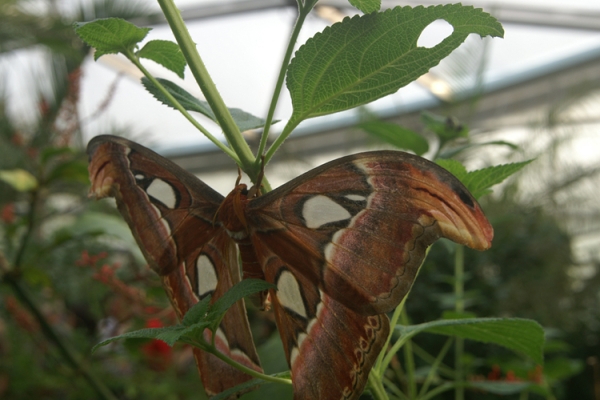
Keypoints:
(60, 291)
(69, 267)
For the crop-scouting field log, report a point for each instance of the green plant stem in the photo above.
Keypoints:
(443, 370)
(384, 361)
(434, 367)
(9, 276)
(459, 279)
(180, 108)
(303, 12)
(394, 389)
(67, 353)
(459, 294)
(380, 365)
(444, 387)
(29, 231)
(209, 89)
(376, 385)
(213, 350)
(409, 361)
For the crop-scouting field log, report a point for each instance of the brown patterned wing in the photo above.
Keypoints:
(170, 213)
(358, 227)
(330, 348)
(212, 270)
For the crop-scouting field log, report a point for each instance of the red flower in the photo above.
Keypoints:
(495, 374)
(8, 213)
(21, 316)
(89, 260)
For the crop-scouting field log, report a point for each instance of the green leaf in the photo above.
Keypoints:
(366, 6)
(367, 57)
(501, 388)
(243, 120)
(479, 181)
(521, 335)
(110, 35)
(20, 179)
(184, 98)
(48, 153)
(237, 292)
(446, 128)
(451, 314)
(454, 167)
(166, 53)
(197, 313)
(454, 151)
(194, 334)
(397, 136)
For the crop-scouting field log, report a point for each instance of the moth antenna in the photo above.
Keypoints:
(239, 178)
(255, 189)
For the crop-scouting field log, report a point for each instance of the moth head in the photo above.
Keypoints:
(232, 211)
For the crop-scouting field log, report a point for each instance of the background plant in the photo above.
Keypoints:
(67, 289)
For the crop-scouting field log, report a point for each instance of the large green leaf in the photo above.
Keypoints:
(521, 335)
(367, 57)
(366, 6)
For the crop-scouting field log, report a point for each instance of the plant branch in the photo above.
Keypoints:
(213, 350)
(67, 353)
(29, 232)
(180, 108)
(376, 385)
(434, 367)
(441, 389)
(409, 361)
(393, 388)
(303, 12)
(381, 365)
(383, 362)
(208, 87)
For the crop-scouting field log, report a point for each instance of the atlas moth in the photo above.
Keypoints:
(342, 244)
